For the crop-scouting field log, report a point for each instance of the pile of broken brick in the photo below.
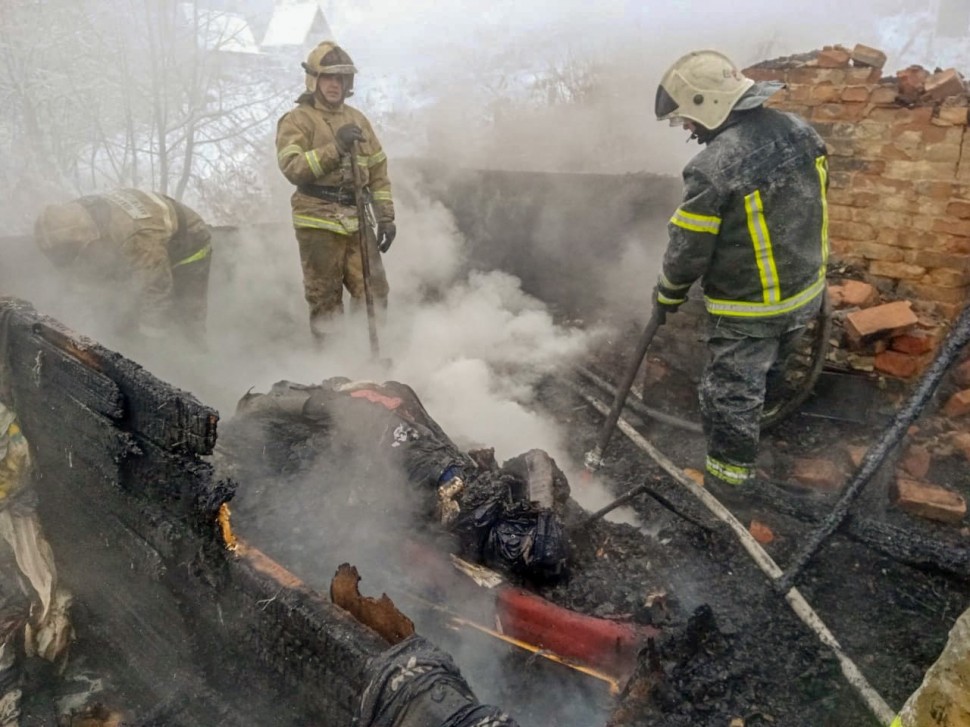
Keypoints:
(888, 338)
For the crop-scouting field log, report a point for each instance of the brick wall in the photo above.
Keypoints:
(899, 201)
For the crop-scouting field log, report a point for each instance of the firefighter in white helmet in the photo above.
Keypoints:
(753, 228)
(314, 143)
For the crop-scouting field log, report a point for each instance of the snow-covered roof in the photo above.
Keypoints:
(219, 30)
(292, 21)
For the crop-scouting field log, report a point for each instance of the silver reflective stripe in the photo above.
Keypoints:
(346, 226)
(171, 224)
(754, 310)
(131, 205)
(665, 281)
(733, 474)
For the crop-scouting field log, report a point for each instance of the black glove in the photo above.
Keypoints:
(346, 136)
(668, 299)
(385, 235)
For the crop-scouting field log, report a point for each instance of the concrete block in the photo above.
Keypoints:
(929, 501)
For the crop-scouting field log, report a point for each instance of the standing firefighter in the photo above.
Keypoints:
(156, 248)
(314, 144)
(753, 227)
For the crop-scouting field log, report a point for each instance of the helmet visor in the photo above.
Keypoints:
(664, 106)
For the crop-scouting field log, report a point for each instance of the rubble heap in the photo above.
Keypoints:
(899, 197)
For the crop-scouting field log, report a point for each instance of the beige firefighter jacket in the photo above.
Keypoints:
(307, 154)
(128, 236)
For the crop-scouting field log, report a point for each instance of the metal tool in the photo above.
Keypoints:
(594, 457)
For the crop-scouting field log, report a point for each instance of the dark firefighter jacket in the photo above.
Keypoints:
(307, 154)
(754, 222)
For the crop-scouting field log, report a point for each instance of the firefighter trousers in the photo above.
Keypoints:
(331, 262)
(732, 393)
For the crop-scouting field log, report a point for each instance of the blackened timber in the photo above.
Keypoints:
(130, 510)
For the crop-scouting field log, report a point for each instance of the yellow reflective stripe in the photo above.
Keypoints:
(287, 151)
(822, 165)
(314, 161)
(898, 722)
(695, 222)
(661, 298)
(13, 431)
(196, 256)
(763, 254)
(382, 195)
(744, 309)
(347, 227)
(665, 282)
(731, 473)
(376, 158)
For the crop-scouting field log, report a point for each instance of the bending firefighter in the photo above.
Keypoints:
(155, 249)
(753, 228)
(33, 610)
(315, 143)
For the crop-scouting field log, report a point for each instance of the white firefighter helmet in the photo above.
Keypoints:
(702, 86)
(328, 57)
(63, 230)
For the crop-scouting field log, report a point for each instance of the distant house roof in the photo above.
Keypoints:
(219, 30)
(292, 23)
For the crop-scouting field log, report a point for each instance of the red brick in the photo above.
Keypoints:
(929, 501)
(913, 343)
(818, 474)
(883, 95)
(857, 453)
(961, 443)
(765, 74)
(935, 293)
(864, 55)
(814, 74)
(953, 227)
(948, 277)
(855, 93)
(952, 115)
(833, 58)
(899, 271)
(857, 294)
(943, 84)
(761, 532)
(911, 81)
(885, 320)
(958, 404)
(959, 209)
(900, 365)
(961, 374)
(916, 461)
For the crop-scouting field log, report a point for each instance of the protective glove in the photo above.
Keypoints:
(667, 299)
(386, 232)
(346, 136)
